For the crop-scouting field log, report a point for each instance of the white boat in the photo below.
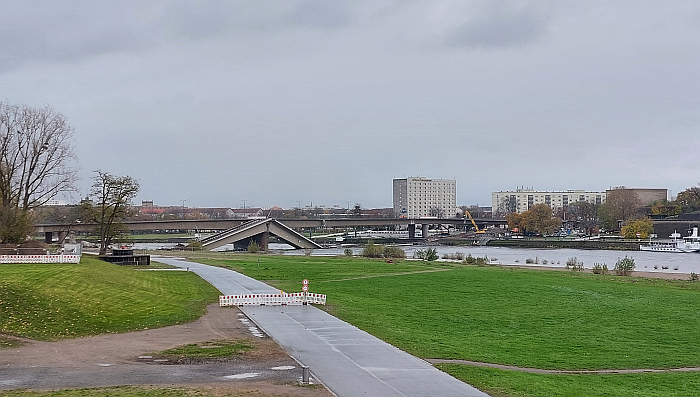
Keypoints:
(687, 244)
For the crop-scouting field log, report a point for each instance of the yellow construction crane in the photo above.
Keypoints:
(468, 215)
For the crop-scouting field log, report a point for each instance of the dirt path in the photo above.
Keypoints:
(122, 359)
(555, 372)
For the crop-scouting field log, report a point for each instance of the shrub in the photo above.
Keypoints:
(194, 246)
(470, 260)
(600, 269)
(429, 254)
(459, 256)
(372, 250)
(253, 247)
(574, 265)
(347, 252)
(624, 266)
(393, 252)
(693, 276)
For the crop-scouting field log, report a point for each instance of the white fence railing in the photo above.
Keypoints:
(296, 298)
(39, 258)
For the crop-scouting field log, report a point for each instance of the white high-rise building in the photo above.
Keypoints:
(417, 197)
(520, 200)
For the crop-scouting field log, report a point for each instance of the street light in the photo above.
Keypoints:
(183, 203)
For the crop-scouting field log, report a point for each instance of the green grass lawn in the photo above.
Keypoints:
(504, 383)
(55, 301)
(209, 349)
(528, 318)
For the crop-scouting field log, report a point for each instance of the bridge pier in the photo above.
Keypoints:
(425, 231)
(264, 240)
(48, 237)
(411, 230)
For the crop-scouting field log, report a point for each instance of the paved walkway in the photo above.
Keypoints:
(349, 361)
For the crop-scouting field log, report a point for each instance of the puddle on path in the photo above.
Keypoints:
(252, 328)
(243, 375)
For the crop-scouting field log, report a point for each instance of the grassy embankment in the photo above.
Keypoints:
(56, 301)
(527, 318)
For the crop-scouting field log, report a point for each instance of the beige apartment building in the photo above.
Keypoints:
(417, 197)
(520, 200)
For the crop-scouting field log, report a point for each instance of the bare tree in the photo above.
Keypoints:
(36, 156)
(109, 205)
(621, 204)
(436, 212)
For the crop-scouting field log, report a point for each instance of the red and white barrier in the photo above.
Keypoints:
(296, 298)
(39, 258)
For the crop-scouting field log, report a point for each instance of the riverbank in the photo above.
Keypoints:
(638, 273)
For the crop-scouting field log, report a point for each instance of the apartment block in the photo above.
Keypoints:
(520, 200)
(417, 197)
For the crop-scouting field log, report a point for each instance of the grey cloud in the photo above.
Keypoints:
(318, 14)
(501, 25)
(56, 32)
(79, 30)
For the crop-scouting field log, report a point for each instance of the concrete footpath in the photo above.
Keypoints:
(349, 361)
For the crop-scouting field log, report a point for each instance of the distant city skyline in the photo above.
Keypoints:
(217, 102)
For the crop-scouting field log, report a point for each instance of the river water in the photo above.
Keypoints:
(683, 263)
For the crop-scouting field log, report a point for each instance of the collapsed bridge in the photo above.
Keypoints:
(258, 230)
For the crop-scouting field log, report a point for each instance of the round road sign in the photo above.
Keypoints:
(305, 282)
(305, 288)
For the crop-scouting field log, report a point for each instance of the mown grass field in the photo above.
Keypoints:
(55, 301)
(527, 318)
(502, 383)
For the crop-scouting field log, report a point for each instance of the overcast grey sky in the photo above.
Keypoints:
(216, 102)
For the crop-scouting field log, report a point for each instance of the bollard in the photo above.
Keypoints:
(305, 374)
